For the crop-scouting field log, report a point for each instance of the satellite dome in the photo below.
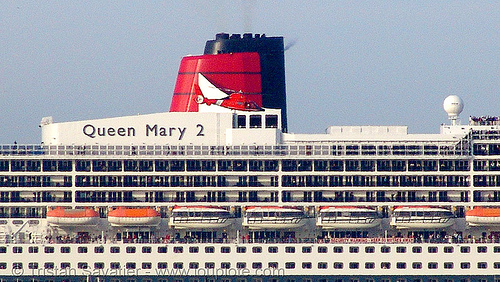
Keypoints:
(453, 106)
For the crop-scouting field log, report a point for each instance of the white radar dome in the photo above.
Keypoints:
(453, 105)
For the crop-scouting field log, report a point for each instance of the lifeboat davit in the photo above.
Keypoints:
(347, 218)
(72, 217)
(480, 216)
(200, 217)
(422, 218)
(122, 216)
(273, 218)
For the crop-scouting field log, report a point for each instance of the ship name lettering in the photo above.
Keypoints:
(92, 131)
(164, 131)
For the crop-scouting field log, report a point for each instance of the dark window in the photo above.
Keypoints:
(257, 250)
(114, 250)
(194, 265)
(82, 265)
(241, 249)
(385, 249)
(49, 265)
(209, 250)
(241, 265)
(417, 250)
(114, 265)
(432, 265)
(271, 121)
(130, 265)
(400, 249)
(194, 249)
(162, 265)
(177, 250)
(65, 265)
(33, 250)
(99, 265)
(130, 250)
(465, 265)
(257, 265)
(369, 265)
(354, 265)
(448, 265)
(99, 250)
(401, 265)
(322, 265)
(49, 250)
(82, 250)
(338, 249)
(353, 249)
(242, 121)
(290, 265)
(255, 121)
(338, 265)
(465, 249)
(306, 265)
(33, 265)
(306, 249)
(146, 265)
(225, 250)
(209, 265)
(433, 250)
(369, 250)
(322, 250)
(178, 265)
(416, 265)
(272, 250)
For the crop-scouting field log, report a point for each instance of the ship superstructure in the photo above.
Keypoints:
(217, 190)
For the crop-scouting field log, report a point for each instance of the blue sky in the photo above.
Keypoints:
(353, 62)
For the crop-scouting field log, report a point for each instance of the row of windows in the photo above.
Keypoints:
(82, 249)
(255, 249)
(246, 165)
(256, 265)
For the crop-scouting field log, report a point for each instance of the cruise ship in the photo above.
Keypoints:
(217, 190)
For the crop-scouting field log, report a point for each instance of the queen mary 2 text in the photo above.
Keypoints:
(156, 130)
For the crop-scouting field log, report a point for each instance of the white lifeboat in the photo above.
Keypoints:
(122, 216)
(421, 218)
(273, 218)
(200, 217)
(481, 216)
(347, 218)
(72, 217)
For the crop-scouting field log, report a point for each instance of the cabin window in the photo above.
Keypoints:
(322, 265)
(401, 265)
(306, 249)
(338, 249)
(241, 265)
(65, 265)
(82, 265)
(164, 265)
(289, 249)
(241, 121)
(369, 250)
(417, 250)
(369, 265)
(465, 265)
(272, 250)
(99, 250)
(225, 250)
(114, 250)
(49, 265)
(33, 250)
(255, 121)
(194, 249)
(433, 250)
(482, 265)
(3, 250)
(257, 250)
(272, 265)
(194, 265)
(177, 250)
(400, 249)
(338, 265)
(496, 249)
(354, 265)
(496, 265)
(257, 265)
(33, 265)
(209, 265)
(448, 265)
(82, 250)
(17, 250)
(130, 265)
(465, 249)
(385, 249)
(99, 265)
(385, 265)
(482, 249)
(271, 121)
(306, 265)
(130, 250)
(49, 250)
(432, 265)
(322, 250)
(241, 250)
(210, 250)
(114, 265)
(448, 250)
(146, 265)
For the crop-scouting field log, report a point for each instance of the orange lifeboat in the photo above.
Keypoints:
(481, 216)
(123, 216)
(72, 217)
